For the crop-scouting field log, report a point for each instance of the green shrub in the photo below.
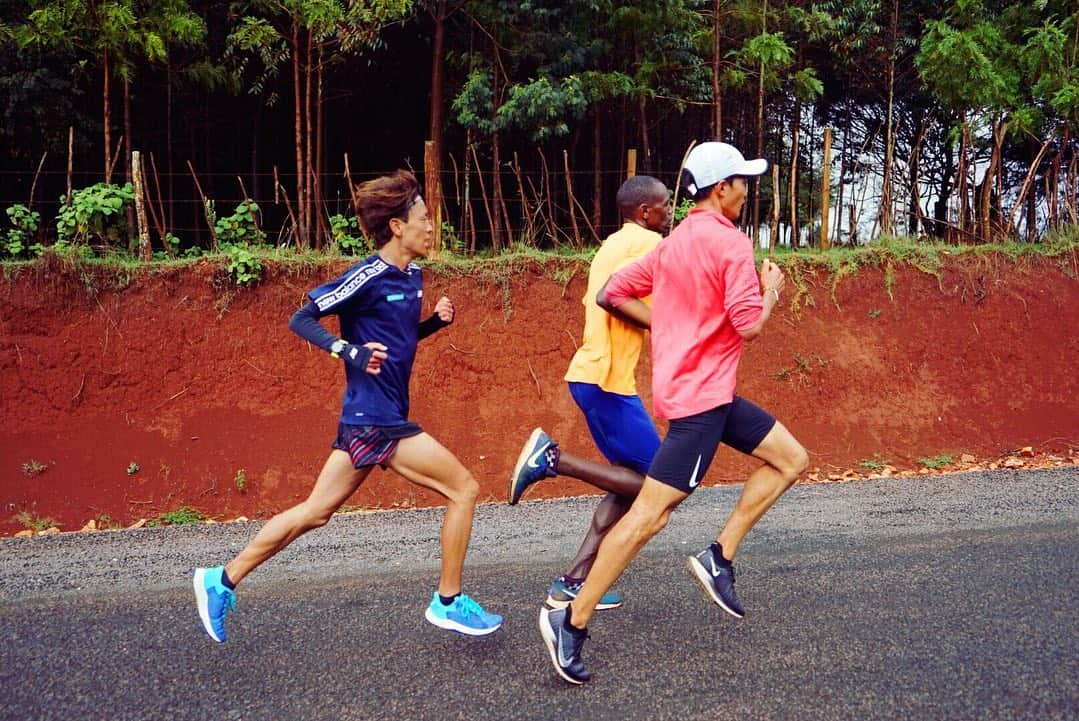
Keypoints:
(450, 240)
(180, 517)
(97, 211)
(683, 209)
(937, 462)
(346, 233)
(240, 227)
(243, 267)
(17, 241)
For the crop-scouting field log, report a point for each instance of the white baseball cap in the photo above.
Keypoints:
(711, 162)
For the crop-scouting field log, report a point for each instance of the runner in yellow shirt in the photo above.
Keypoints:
(602, 383)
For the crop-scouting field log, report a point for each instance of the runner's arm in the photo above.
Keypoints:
(633, 311)
(304, 323)
(622, 293)
(442, 317)
(771, 278)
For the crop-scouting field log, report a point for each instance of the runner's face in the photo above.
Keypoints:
(732, 196)
(416, 232)
(657, 214)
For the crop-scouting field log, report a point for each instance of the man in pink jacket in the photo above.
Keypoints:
(708, 300)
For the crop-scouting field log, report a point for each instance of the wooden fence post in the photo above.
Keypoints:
(432, 180)
(145, 252)
(825, 187)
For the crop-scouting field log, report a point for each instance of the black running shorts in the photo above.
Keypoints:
(691, 442)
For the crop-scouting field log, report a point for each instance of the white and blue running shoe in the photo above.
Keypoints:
(214, 600)
(463, 616)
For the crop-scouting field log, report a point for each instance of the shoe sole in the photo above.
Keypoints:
(457, 627)
(522, 459)
(556, 605)
(203, 602)
(704, 578)
(549, 642)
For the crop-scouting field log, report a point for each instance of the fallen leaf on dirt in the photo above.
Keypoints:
(1013, 463)
(91, 525)
(967, 458)
(50, 531)
(137, 524)
(1026, 452)
(27, 533)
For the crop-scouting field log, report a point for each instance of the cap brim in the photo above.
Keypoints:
(753, 167)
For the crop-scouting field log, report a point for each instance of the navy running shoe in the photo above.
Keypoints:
(717, 580)
(463, 616)
(564, 646)
(536, 461)
(562, 593)
(214, 600)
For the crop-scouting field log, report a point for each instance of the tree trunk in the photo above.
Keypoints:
(313, 211)
(914, 212)
(168, 142)
(796, 134)
(127, 130)
(940, 206)
(323, 228)
(301, 198)
(642, 119)
(887, 219)
(597, 173)
(107, 119)
(437, 65)
(840, 188)
(755, 231)
(825, 188)
(501, 219)
(717, 99)
(130, 212)
(986, 200)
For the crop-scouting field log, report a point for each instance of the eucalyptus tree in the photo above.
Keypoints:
(976, 60)
(307, 36)
(116, 35)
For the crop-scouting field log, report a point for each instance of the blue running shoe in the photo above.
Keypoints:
(562, 593)
(717, 580)
(214, 600)
(463, 616)
(564, 646)
(537, 460)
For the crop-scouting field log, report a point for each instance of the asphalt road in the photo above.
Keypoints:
(949, 597)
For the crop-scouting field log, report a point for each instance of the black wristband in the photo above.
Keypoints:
(432, 324)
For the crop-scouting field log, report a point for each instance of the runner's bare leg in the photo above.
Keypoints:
(336, 482)
(426, 462)
(646, 517)
(784, 460)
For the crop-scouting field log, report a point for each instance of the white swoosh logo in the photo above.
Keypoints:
(562, 660)
(712, 561)
(693, 480)
(532, 459)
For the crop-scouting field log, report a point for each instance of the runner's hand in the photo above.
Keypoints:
(444, 309)
(367, 357)
(772, 276)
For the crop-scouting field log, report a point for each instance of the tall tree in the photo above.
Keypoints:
(115, 35)
(308, 35)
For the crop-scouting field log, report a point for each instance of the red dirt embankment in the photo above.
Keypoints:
(202, 386)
